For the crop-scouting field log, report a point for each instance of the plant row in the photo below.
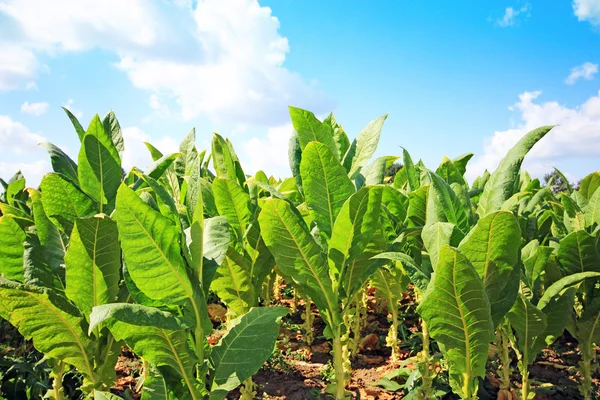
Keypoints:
(97, 257)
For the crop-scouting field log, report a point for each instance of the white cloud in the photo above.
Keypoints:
(576, 138)
(36, 109)
(587, 10)
(269, 154)
(19, 143)
(220, 59)
(135, 153)
(511, 14)
(584, 71)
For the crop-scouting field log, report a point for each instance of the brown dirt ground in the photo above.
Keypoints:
(552, 375)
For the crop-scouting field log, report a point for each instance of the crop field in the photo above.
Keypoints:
(353, 278)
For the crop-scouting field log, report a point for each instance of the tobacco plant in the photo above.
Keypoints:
(327, 259)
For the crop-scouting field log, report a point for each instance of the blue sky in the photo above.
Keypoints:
(455, 77)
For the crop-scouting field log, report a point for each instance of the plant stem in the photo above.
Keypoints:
(586, 370)
(248, 390)
(503, 342)
(525, 381)
(57, 387)
(295, 302)
(338, 363)
(425, 392)
(393, 334)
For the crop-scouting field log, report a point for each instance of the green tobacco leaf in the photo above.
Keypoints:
(556, 312)
(326, 185)
(310, 129)
(295, 157)
(261, 259)
(389, 284)
(98, 395)
(154, 152)
(36, 270)
(160, 166)
(591, 211)
(12, 239)
(363, 147)
(188, 153)
(443, 205)
(211, 253)
(457, 311)
(529, 322)
(565, 282)
(417, 207)
(233, 283)
(358, 270)
(234, 204)
(99, 172)
(461, 162)
(415, 273)
(48, 234)
(151, 249)
(155, 387)
(507, 297)
(244, 349)
(296, 253)
(92, 263)
(578, 252)
(157, 336)
(64, 202)
(353, 229)
(493, 249)
(61, 162)
(96, 129)
(454, 177)
(573, 218)
(374, 173)
(589, 184)
(437, 235)
(504, 182)
(223, 161)
(113, 128)
(53, 323)
(412, 174)
(78, 128)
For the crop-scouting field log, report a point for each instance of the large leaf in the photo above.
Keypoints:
(589, 184)
(417, 275)
(223, 161)
(99, 172)
(157, 336)
(326, 185)
(234, 204)
(457, 312)
(12, 238)
(64, 202)
(503, 182)
(565, 282)
(244, 349)
(61, 162)
(295, 157)
(151, 249)
(54, 324)
(310, 129)
(443, 205)
(493, 249)
(363, 147)
(296, 253)
(233, 283)
(437, 235)
(555, 312)
(529, 322)
(113, 128)
(353, 229)
(578, 252)
(49, 235)
(92, 263)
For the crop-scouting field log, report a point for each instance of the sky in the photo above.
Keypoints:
(455, 77)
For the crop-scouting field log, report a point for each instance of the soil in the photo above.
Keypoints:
(299, 374)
